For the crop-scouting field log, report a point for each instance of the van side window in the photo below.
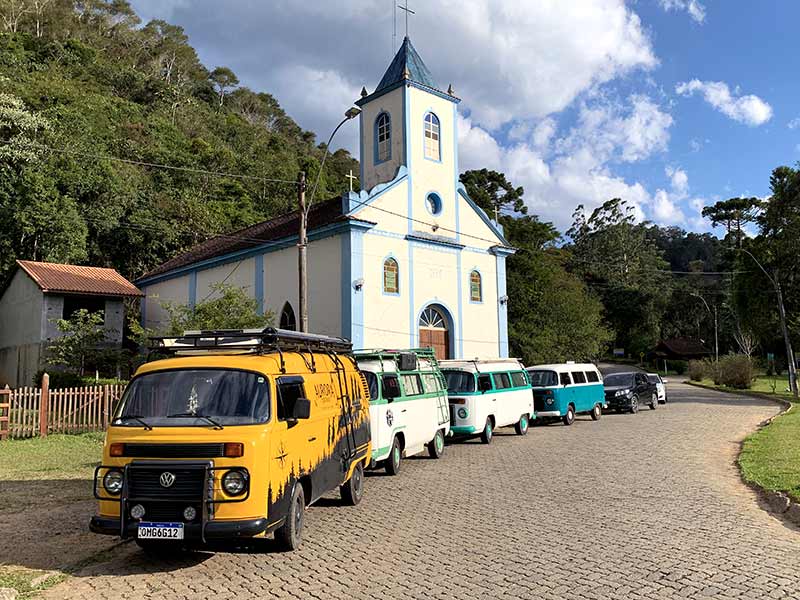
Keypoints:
(432, 384)
(578, 377)
(372, 383)
(564, 378)
(502, 381)
(518, 379)
(412, 384)
(592, 377)
(289, 390)
(484, 382)
(390, 386)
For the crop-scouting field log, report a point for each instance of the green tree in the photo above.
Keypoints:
(223, 79)
(493, 192)
(615, 256)
(734, 214)
(80, 343)
(231, 308)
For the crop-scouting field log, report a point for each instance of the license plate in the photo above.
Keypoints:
(160, 531)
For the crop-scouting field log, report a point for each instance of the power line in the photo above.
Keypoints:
(142, 163)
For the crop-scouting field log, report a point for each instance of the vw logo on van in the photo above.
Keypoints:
(167, 479)
(389, 418)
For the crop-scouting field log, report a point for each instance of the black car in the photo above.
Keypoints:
(628, 391)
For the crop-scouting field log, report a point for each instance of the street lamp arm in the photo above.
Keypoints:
(760, 266)
(708, 308)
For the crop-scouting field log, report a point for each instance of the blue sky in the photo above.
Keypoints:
(670, 104)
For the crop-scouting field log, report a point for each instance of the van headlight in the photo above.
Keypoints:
(234, 483)
(112, 481)
(462, 413)
(548, 400)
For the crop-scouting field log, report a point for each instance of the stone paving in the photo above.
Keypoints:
(632, 507)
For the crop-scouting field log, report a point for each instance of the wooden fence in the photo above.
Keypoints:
(41, 411)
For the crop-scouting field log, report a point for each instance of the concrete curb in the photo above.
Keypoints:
(774, 502)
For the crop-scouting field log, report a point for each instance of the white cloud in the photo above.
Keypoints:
(696, 10)
(679, 180)
(666, 210)
(695, 145)
(575, 169)
(535, 58)
(750, 110)
(794, 123)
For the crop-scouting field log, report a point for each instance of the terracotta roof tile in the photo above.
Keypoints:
(74, 279)
(283, 226)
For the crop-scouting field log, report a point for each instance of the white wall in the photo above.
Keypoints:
(20, 330)
(174, 291)
(391, 103)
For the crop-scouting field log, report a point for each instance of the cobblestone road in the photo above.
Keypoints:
(635, 506)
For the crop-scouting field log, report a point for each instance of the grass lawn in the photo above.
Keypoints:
(53, 457)
(770, 457)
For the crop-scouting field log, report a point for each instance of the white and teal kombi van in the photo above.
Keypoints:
(487, 394)
(408, 404)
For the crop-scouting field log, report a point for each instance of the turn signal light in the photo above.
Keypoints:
(116, 450)
(233, 450)
(458, 401)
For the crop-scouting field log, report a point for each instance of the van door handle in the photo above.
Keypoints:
(311, 439)
(402, 411)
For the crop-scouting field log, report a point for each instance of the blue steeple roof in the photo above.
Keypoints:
(407, 58)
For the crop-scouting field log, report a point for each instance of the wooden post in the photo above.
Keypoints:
(44, 401)
(106, 405)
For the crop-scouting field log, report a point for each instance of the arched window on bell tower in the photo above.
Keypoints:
(288, 320)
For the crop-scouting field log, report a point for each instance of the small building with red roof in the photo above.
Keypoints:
(38, 295)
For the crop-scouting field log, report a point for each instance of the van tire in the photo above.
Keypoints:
(569, 418)
(597, 412)
(522, 425)
(352, 490)
(436, 445)
(392, 463)
(488, 431)
(290, 534)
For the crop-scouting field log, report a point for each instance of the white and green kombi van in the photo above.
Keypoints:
(487, 394)
(408, 404)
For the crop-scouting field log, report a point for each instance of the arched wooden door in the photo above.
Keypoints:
(434, 332)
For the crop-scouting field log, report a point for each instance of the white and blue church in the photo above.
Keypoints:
(409, 261)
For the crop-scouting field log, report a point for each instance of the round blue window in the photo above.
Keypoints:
(433, 203)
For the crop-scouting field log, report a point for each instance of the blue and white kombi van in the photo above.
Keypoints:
(487, 394)
(563, 390)
(408, 404)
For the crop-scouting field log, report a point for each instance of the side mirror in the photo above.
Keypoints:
(301, 409)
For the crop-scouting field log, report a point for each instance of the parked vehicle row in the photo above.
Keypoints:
(233, 434)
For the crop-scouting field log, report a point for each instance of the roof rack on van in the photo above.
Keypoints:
(407, 360)
(249, 340)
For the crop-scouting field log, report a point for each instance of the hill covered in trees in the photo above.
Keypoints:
(91, 99)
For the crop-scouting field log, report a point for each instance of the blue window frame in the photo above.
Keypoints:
(433, 202)
(433, 137)
(383, 138)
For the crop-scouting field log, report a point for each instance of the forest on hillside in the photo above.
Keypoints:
(119, 148)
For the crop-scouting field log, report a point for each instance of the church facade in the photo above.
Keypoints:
(410, 261)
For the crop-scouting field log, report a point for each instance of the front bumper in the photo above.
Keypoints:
(619, 402)
(548, 413)
(192, 531)
(462, 429)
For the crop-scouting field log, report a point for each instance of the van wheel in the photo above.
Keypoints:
(487, 433)
(522, 425)
(393, 462)
(289, 535)
(352, 490)
(654, 401)
(597, 412)
(436, 445)
(569, 418)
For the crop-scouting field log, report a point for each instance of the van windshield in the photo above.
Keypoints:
(459, 382)
(194, 397)
(543, 378)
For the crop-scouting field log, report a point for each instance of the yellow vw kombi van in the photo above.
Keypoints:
(233, 436)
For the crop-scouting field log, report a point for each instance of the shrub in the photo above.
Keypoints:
(698, 370)
(736, 371)
(679, 366)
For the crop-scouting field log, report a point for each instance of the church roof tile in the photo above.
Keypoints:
(407, 65)
(279, 228)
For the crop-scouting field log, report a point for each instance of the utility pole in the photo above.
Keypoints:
(784, 327)
(302, 249)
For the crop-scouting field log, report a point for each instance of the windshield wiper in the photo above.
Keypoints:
(138, 419)
(216, 424)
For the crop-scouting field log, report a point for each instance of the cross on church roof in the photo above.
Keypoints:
(408, 12)
(352, 178)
